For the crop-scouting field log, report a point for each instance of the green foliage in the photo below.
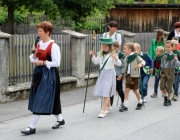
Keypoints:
(120, 1)
(91, 25)
(3, 15)
(157, 2)
(177, 1)
(147, 1)
(78, 26)
(88, 25)
(130, 1)
(164, 2)
(35, 23)
(78, 10)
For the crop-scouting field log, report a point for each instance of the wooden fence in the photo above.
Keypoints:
(96, 48)
(21, 69)
(145, 39)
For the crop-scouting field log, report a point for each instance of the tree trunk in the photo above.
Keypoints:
(11, 19)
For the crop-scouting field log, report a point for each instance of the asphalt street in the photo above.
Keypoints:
(154, 122)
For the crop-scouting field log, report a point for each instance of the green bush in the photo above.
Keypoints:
(3, 15)
(77, 26)
(91, 25)
(88, 25)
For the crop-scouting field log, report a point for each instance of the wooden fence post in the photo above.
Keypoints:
(4, 49)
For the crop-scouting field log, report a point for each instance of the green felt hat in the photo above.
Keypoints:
(106, 40)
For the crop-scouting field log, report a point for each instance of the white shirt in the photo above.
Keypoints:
(55, 54)
(176, 35)
(113, 37)
(110, 63)
(129, 66)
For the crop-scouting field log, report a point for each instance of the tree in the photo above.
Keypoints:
(77, 10)
(12, 5)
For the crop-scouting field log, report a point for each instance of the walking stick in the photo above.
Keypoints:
(118, 100)
(93, 39)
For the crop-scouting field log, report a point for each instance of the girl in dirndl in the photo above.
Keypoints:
(44, 98)
(106, 82)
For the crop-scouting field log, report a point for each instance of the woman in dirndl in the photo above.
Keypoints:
(106, 82)
(44, 96)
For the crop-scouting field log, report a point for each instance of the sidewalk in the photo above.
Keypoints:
(154, 122)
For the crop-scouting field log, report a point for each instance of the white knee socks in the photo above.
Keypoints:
(34, 121)
(59, 117)
(140, 101)
(126, 103)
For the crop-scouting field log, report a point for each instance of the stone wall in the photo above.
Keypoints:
(21, 91)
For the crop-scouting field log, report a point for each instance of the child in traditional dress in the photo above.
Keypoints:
(177, 39)
(145, 72)
(106, 83)
(157, 63)
(174, 44)
(118, 69)
(158, 41)
(178, 48)
(132, 64)
(168, 62)
(115, 36)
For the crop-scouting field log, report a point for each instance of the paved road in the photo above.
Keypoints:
(154, 122)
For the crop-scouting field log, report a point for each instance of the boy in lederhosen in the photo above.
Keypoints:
(132, 64)
(168, 62)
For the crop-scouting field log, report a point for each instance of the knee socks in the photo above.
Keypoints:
(34, 121)
(59, 117)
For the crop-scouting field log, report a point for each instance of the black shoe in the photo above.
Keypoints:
(58, 124)
(29, 132)
(166, 101)
(139, 106)
(123, 109)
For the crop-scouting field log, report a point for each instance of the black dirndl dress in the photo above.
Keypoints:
(44, 98)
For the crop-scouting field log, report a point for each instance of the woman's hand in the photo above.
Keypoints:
(33, 48)
(38, 63)
(35, 52)
(119, 77)
(91, 53)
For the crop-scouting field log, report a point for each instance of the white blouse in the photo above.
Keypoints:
(55, 54)
(110, 63)
(175, 34)
(114, 37)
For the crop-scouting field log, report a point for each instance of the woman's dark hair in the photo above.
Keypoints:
(113, 24)
(177, 25)
(159, 35)
(46, 26)
(130, 46)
